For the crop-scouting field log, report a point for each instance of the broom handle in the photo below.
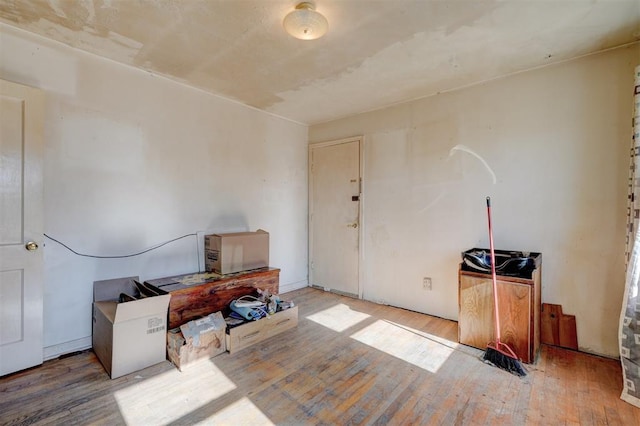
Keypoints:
(493, 273)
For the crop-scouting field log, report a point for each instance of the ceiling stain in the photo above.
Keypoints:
(376, 53)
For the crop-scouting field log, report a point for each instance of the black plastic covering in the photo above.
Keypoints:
(509, 263)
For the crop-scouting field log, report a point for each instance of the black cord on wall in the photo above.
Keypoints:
(132, 254)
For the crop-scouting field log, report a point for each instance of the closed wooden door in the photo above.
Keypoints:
(334, 219)
(21, 232)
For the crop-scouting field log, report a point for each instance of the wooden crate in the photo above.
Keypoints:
(253, 332)
(519, 304)
(197, 295)
(204, 340)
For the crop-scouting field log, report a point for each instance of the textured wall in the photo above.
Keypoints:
(133, 160)
(550, 146)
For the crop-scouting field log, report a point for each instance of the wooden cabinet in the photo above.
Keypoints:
(519, 305)
(197, 295)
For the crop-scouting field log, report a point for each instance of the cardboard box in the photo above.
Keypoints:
(128, 336)
(235, 252)
(252, 332)
(196, 340)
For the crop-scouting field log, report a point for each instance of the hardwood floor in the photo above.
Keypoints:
(347, 362)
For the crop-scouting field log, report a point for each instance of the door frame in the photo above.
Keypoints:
(361, 227)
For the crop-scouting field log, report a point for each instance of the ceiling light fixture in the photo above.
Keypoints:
(305, 23)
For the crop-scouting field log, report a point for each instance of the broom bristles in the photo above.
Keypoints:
(504, 361)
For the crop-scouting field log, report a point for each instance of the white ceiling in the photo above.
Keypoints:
(376, 53)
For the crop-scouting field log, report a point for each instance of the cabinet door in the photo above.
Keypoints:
(475, 321)
(475, 318)
(514, 301)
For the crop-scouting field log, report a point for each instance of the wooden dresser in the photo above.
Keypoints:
(519, 305)
(199, 294)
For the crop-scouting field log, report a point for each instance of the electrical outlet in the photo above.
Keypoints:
(426, 283)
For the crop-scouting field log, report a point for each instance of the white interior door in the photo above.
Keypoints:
(334, 216)
(21, 289)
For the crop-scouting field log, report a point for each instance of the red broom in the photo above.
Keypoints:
(498, 353)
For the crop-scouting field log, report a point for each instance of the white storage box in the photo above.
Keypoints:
(252, 332)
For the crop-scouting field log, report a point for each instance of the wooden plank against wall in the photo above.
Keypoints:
(558, 329)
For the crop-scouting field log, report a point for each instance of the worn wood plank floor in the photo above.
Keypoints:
(348, 362)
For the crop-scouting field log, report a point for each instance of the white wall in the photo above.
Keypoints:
(557, 139)
(133, 160)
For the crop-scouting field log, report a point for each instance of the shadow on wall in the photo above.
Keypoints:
(224, 223)
(229, 222)
(161, 258)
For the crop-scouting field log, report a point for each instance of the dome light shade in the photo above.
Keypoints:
(305, 23)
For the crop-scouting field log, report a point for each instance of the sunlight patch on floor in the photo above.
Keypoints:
(338, 318)
(241, 412)
(171, 395)
(416, 347)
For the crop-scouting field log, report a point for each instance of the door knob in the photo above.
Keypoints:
(353, 225)
(31, 246)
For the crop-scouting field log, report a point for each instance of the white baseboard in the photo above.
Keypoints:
(285, 288)
(54, 351)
